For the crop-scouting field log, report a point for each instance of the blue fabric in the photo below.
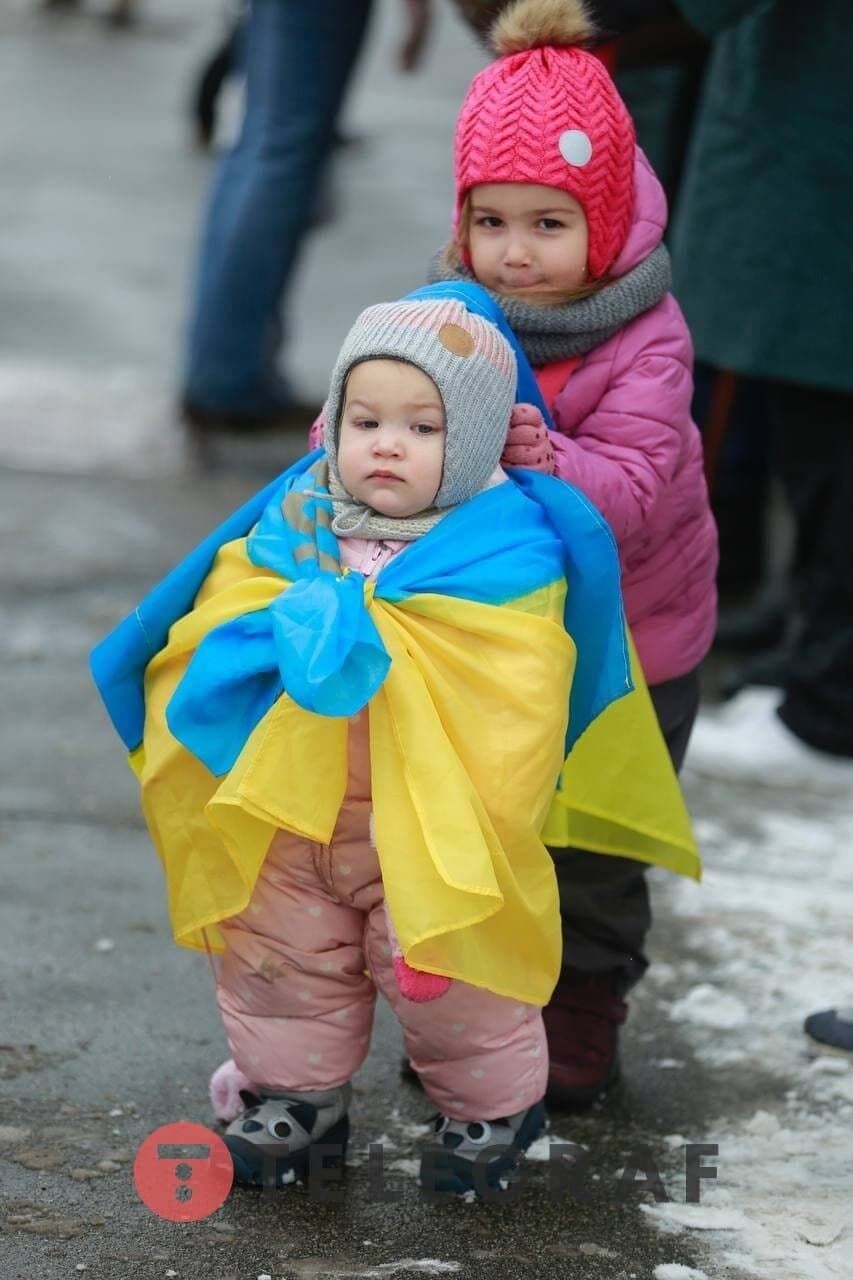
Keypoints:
(593, 615)
(317, 643)
(298, 61)
(118, 663)
(478, 300)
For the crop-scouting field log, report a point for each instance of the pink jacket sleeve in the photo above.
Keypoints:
(623, 418)
(315, 435)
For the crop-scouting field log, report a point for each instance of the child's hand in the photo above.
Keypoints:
(527, 443)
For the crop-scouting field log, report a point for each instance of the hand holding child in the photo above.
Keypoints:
(527, 443)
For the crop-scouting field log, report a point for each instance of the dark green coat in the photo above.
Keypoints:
(763, 235)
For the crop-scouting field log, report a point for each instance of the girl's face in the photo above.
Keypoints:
(526, 240)
(391, 438)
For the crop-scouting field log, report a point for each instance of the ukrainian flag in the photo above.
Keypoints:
(485, 652)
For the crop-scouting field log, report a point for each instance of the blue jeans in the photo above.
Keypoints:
(298, 60)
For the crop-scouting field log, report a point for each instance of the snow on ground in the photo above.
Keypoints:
(772, 924)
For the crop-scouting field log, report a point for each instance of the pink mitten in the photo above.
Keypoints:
(315, 435)
(225, 1085)
(414, 984)
(527, 443)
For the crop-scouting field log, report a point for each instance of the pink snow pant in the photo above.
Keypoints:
(298, 1005)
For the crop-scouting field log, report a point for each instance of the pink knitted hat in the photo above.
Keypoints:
(548, 112)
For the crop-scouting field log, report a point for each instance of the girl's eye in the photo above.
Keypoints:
(488, 220)
(550, 224)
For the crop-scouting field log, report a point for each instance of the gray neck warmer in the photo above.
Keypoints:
(548, 334)
(352, 519)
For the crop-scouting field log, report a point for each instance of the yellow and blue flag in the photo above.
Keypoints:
(483, 651)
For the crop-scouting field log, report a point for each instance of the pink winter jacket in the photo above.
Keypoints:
(626, 438)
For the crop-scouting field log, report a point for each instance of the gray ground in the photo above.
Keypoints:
(108, 1031)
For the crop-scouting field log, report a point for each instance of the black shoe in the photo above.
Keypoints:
(831, 1026)
(293, 416)
(770, 670)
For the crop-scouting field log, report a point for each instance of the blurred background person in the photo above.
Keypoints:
(763, 266)
(297, 69)
(298, 65)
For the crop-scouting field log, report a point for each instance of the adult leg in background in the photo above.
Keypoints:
(813, 452)
(298, 66)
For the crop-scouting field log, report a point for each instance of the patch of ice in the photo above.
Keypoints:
(592, 1250)
(426, 1266)
(762, 1124)
(829, 1066)
(698, 1217)
(707, 1006)
(720, 1056)
(540, 1149)
(677, 1271)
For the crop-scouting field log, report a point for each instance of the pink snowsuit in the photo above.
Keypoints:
(294, 996)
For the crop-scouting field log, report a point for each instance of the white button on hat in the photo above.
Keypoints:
(575, 147)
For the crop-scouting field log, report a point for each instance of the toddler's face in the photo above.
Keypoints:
(526, 240)
(391, 439)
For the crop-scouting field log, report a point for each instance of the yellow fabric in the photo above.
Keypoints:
(614, 799)
(466, 739)
(464, 753)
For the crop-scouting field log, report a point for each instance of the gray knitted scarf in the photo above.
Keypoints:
(352, 519)
(569, 329)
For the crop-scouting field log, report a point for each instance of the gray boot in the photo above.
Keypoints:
(271, 1142)
(477, 1155)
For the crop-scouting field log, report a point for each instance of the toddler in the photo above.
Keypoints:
(346, 758)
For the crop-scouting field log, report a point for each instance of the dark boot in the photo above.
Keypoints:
(770, 670)
(582, 1023)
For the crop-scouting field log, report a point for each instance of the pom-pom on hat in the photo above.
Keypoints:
(471, 364)
(547, 112)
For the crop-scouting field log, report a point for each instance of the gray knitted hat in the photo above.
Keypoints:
(469, 361)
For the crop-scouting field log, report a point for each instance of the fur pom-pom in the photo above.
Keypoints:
(225, 1086)
(529, 24)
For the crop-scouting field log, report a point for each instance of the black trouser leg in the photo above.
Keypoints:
(813, 453)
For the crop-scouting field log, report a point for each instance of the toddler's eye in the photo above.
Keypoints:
(426, 428)
(367, 424)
